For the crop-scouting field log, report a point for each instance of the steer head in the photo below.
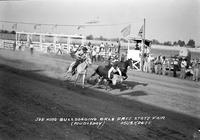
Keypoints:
(115, 79)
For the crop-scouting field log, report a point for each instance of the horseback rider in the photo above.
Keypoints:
(81, 56)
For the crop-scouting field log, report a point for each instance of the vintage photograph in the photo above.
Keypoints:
(99, 70)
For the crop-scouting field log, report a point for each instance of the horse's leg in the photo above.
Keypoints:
(77, 76)
(68, 70)
(83, 80)
(125, 76)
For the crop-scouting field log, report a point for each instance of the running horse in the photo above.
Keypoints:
(102, 71)
(80, 70)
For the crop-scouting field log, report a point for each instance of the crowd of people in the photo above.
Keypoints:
(173, 66)
(98, 53)
(162, 65)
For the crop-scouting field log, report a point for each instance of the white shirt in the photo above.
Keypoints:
(93, 53)
(102, 46)
(183, 64)
(109, 53)
(31, 45)
(112, 69)
(175, 62)
(97, 49)
(58, 46)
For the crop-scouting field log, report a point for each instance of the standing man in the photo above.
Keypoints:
(31, 47)
(98, 51)
(59, 49)
(158, 65)
(119, 48)
(109, 53)
(164, 65)
(145, 63)
(183, 68)
(196, 70)
(93, 54)
(175, 66)
(14, 45)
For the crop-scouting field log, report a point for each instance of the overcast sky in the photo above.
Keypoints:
(166, 20)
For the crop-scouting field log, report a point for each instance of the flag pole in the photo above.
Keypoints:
(143, 44)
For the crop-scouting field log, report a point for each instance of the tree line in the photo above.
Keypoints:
(190, 43)
(7, 32)
(101, 38)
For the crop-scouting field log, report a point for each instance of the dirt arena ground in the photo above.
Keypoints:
(34, 97)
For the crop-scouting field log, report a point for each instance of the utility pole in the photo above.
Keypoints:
(142, 49)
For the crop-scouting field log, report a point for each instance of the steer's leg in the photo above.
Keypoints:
(125, 76)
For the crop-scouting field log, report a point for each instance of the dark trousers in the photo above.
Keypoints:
(93, 58)
(59, 50)
(175, 69)
(31, 49)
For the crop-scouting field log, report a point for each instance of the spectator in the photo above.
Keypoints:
(14, 45)
(59, 49)
(170, 64)
(109, 53)
(137, 47)
(20, 45)
(101, 54)
(175, 64)
(164, 65)
(158, 65)
(97, 52)
(196, 67)
(183, 68)
(151, 64)
(106, 46)
(94, 55)
(145, 63)
(122, 57)
(49, 48)
(89, 44)
(31, 48)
